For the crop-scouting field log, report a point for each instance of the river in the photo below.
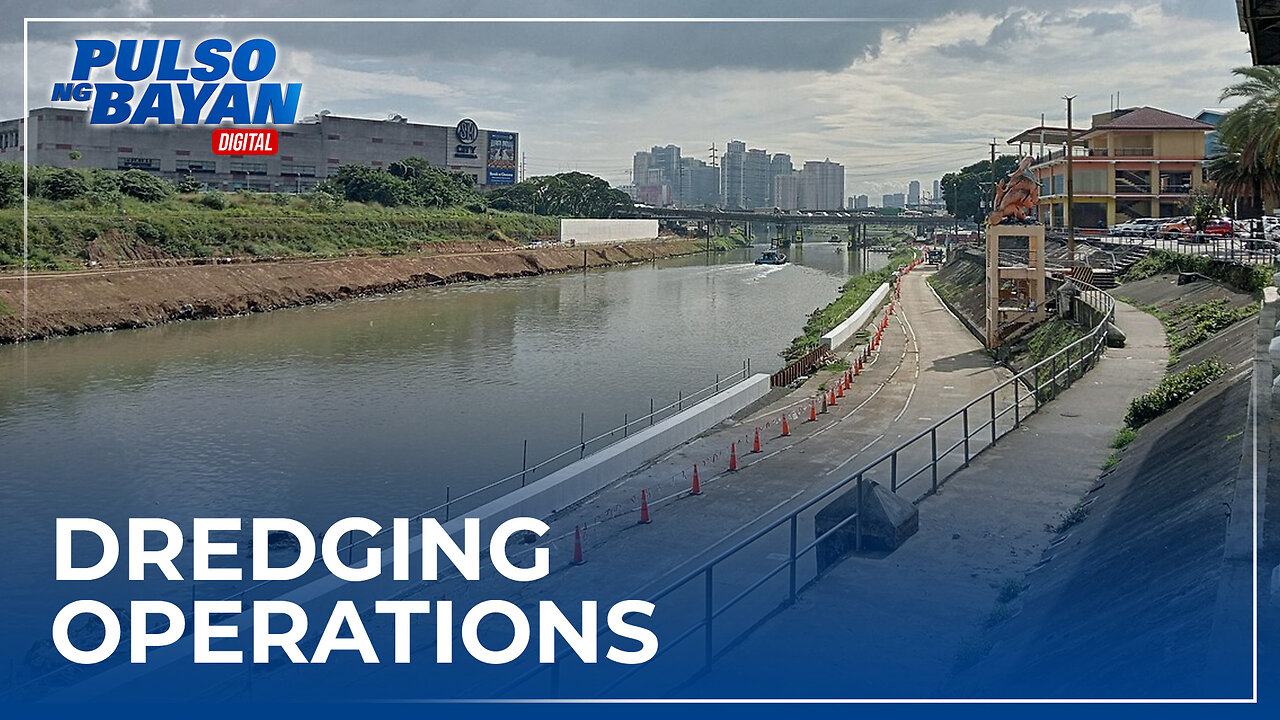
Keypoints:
(375, 407)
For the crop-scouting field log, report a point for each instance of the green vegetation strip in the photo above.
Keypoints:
(1189, 324)
(1172, 391)
(1249, 279)
(852, 295)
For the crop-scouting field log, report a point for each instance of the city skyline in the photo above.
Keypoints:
(892, 99)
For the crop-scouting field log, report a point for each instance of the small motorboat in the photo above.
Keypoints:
(771, 257)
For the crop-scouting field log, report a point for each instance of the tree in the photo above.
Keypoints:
(10, 184)
(571, 194)
(1249, 165)
(969, 192)
(63, 184)
(365, 184)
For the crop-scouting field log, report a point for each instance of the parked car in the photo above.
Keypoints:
(1176, 226)
(1138, 227)
(1219, 226)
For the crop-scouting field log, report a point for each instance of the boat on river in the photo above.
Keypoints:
(771, 257)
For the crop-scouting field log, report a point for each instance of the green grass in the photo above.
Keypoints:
(1250, 279)
(5, 309)
(1123, 437)
(252, 225)
(852, 295)
(1189, 324)
(1112, 460)
(1172, 391)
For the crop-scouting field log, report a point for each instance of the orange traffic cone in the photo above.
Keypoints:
(824, 402)
(857, 368)
(644, 508)
(840, 393)
(577, 546)
(697, 486)
(755, 446)
(813, 412)
(733, 457)
(832, 400)
(785, 430)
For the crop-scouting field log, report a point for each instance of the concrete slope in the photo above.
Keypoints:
(1122, 604)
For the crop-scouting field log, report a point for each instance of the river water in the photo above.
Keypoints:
(373, 407)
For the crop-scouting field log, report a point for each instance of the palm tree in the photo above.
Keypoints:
(1249, 165)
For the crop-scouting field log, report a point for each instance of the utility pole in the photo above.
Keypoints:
(993, 175)
(523, 158)
(1071, 188)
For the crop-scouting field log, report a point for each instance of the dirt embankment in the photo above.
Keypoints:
(106, 299)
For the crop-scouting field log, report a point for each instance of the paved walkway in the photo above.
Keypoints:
(894, 627)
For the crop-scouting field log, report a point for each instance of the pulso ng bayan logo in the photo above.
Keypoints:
(467, 134)
(172, 91)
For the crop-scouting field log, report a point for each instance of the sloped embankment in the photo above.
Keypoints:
(960, 285)
(1122, 602)
(77, 302)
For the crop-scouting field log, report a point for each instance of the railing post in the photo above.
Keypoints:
(524, 462)
(1053, 374)
(582, 436)
(857, 523)
(965, 415)
(893, 472)
(933, 454)
(1017, 402)
(710, 617)
(993, 416)
(793, 559)
(626, 422)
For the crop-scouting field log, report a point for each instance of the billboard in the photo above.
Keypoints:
(501, 162)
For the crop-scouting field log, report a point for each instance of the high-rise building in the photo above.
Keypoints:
(700, 183)
(786, 191)
(822, 185)
(667, 159)
(862, 202)
(937, 191)
(758, 179)
(640, 164)
(913, 193)
(895, 200)
(732, 165)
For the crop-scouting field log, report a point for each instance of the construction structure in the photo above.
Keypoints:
(1015, 282)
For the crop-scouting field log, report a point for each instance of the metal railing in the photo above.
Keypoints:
(800, 366)
(1229, 248)
(941, 449)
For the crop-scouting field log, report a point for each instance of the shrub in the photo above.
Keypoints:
(215, 199)
(144, 186)
(1172, 391)
(63, 184)
(10, 184)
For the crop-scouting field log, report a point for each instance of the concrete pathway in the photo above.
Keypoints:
(894, 627)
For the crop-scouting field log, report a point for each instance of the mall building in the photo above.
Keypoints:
(309, 151)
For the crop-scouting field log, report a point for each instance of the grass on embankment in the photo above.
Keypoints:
(852, 295)
(1249, 279)
(250, 225)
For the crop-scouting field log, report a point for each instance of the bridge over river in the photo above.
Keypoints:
(787, 223)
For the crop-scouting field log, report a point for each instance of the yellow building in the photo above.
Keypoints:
(1132, 163)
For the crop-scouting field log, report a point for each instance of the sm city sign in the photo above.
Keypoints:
(467, 134)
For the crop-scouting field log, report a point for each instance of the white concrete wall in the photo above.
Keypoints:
(595, 232)
(572, 483)
(863, 315)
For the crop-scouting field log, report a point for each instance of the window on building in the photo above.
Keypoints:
(1091, 181)
(249, 168)
(1089, 215)
(1168, 209)
(1131, 209)
(137, 163)
(333, 136)
(1133, 181)
(198, 166)
(296, 170)
(376, 141)
(1175, 182)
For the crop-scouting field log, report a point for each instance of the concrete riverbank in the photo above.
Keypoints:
(70, 303)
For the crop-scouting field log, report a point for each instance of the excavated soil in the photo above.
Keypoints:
(149, 292)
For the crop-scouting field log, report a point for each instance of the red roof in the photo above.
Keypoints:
(1149, 118)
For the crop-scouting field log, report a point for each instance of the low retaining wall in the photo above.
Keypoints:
(577, 481)
(847, 329)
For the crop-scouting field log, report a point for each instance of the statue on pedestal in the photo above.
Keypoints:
(1015, 195)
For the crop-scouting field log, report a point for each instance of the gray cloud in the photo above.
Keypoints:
(1013, 27)
(1102, 23)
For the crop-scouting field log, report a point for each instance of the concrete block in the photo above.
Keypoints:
(1273, 350)
(865, 313)
(887, 521)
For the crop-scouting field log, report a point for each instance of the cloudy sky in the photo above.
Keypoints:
(893, 90)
